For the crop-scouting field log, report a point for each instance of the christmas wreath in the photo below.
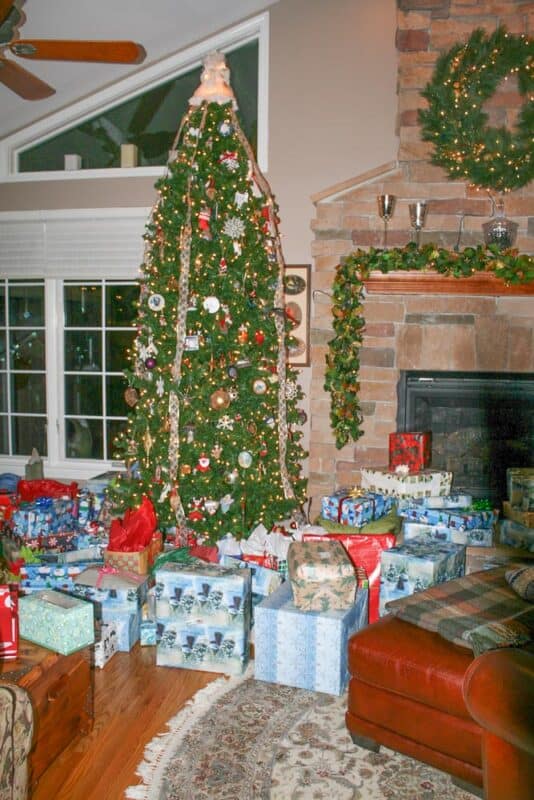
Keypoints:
(343, 359)
(464, 79)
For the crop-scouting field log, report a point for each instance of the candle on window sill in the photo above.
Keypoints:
(72, 161)
(128, 155)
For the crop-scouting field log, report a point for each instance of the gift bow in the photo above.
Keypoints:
(103, 571)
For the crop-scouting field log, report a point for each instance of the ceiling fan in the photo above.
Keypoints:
(29, 86)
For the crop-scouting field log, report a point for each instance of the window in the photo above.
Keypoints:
(149, 121)
(88, 333)
(23, 412)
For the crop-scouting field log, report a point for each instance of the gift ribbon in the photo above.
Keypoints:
(103, 571)
(356, 492)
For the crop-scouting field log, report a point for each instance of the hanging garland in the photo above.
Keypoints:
(343, 361)
(464, 79)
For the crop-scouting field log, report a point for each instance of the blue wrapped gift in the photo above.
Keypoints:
(189, 644)
(208, 593)
(148, 634)
(514, 534)
(306, 649)
(106, 643)
(44, 517)
(460, 519)
(56, 620)
(264, 580)
(127, 624)
(38, 576)
(476, 537)
(111, 587)
(354, 507)
(416, 565)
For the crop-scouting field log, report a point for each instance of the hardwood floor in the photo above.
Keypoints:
(133, 700)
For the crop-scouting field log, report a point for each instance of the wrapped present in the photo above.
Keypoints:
(42, 575)
(30, 490)
(520, 486)
(190, 644)
(306, 649)
(412, 450)
(322, 575)
(364, 551)
(127, 624)
(111, 587)
(148, 633)
(56, 620)
(90, 505)
(9, 622)
(44, 517)
(457, 518)
(204, 592)
(476, 537)
(355, 507)
(264, 580)
(448, 501)
(516, 514)
(481, 558)
(133, 541)
(106, 643)
(416, 565)
(427, 483)
(514, 534)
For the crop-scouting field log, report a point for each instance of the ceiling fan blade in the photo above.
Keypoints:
(110, 52)
(23, 82)
(5, 8)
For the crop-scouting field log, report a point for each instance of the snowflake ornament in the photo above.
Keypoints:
(291, 389)
(234, 227)
(160, 387)
(240, 198)
(226, 423)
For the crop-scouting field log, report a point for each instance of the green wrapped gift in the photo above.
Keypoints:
(57, 621)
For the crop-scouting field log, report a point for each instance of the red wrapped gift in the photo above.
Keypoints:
(364, 551)
(9, 622)
(412, 450)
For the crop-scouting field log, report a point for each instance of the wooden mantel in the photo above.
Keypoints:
(414, 282)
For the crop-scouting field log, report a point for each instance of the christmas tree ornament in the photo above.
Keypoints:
(225, 129)
(263, 449)
(216, 451)
(211, 304)
(270, 422)
(189, 430)
(211, 506)
(291, 390)
(204, 216)
(160, 387)
(195, 515)
(233, 394)
(156, 302)
(211, 192)
(131, 396)
(244, 459)
(302, 416)
(223, 266)
(232, 477)
(226, 502)
(252, 428)
(219, 399)
(259, 386)
(150, 362)
(148, 441)
(232, 372)
(185, 469)
(165, 425)
(242, 335)
(226, 423)
(234, 227)
(230, 160)
(259, 337)
(203, 464)
(240, 198)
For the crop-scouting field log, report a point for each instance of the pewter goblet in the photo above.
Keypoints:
(417, 218)
(386, 207)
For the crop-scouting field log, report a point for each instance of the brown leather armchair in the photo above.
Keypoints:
(498, 689)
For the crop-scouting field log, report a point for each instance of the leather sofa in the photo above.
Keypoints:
(406, 692)
(16, 735)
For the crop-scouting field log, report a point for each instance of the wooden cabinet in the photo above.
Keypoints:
(61, 690)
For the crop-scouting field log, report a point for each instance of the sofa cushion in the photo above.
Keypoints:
(411, 662)
(494, 635)
(455, 607)
(522, 581)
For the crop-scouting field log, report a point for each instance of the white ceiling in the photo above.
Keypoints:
(163, 27)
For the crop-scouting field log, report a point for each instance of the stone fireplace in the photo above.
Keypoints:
(417, 322)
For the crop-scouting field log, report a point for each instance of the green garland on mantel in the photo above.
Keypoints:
(343, 362)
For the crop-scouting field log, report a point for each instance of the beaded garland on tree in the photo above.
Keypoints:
(214, 434)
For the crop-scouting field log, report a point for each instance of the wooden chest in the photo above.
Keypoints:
(61, 691)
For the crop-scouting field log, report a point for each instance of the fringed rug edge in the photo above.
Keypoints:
(161, 748)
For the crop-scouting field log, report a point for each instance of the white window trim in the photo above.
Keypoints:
(66, 244)
(255, 28)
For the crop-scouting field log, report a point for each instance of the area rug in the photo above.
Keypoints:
(242, 739)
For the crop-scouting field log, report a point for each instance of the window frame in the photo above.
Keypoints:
(145, 79)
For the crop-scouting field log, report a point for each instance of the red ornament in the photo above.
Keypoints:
(259, 337)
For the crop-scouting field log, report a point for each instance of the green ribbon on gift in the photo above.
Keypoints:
(179, 555)
(480, 505)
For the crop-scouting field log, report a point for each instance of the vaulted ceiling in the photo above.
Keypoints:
(162, 27)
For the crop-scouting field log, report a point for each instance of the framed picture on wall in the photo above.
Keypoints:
(297, 308)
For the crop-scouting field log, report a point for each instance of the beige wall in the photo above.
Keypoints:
(332, 115)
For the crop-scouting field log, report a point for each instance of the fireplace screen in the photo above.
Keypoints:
(481, 423)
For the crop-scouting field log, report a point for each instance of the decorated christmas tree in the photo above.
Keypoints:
(213, 437)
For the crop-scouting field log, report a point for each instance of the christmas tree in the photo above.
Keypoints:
(213, 436)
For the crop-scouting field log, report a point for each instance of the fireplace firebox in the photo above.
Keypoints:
(481, 423)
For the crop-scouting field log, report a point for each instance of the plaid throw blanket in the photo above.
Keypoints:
(456, 608)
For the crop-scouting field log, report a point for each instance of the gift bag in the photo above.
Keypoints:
(9, 622)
